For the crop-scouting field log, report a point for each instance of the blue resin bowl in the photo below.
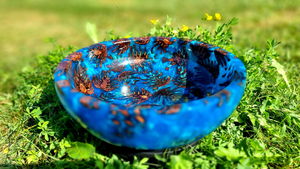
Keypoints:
(150, 92)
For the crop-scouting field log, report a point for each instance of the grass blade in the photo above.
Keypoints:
(91, 30)
(281, 71)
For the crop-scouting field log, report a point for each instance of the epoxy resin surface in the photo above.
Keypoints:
(150, 92)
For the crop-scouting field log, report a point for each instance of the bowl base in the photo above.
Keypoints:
(130, 152)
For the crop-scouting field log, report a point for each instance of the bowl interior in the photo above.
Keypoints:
(150, 71)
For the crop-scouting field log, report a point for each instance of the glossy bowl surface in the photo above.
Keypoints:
(150, 92)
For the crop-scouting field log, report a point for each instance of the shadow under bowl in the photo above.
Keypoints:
(150, 93)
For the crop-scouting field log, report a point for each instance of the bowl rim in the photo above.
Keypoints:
(239, 77)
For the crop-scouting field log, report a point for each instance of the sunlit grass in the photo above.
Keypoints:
(26, 24)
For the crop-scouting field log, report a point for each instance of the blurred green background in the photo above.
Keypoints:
(25, 24)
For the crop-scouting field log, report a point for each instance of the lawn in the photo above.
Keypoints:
(263, 132)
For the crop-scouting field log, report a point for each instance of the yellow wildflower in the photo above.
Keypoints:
(128, 36)
(185, 28)
(154, 21)
(208, 17)
(5, 151)
(217, 16)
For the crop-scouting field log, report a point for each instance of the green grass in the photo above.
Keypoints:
(36, 132)
(26, 23)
